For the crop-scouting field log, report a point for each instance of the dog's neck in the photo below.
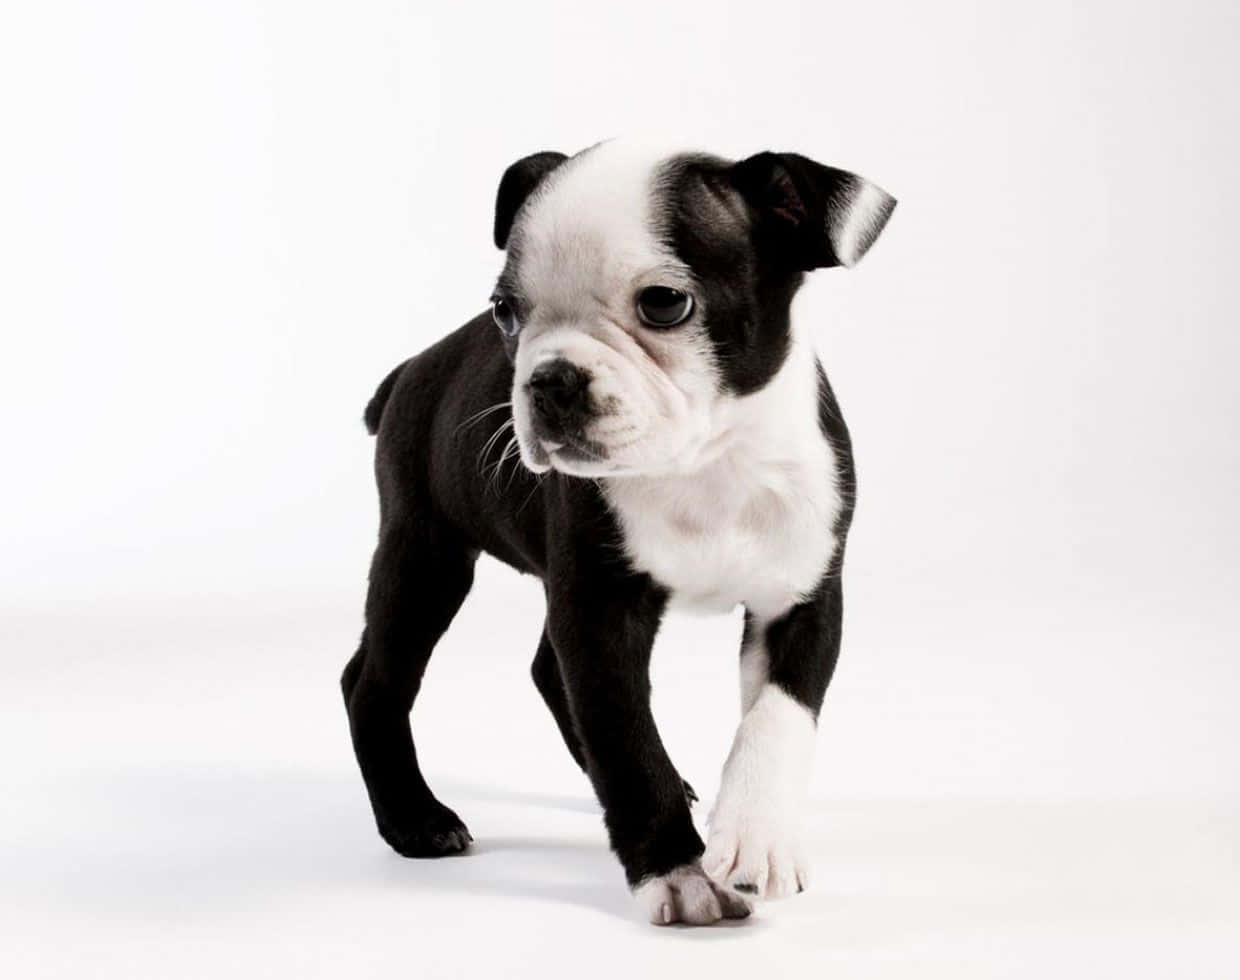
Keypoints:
(753, 519)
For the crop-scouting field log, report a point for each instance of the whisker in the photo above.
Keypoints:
(478, 416)
(490, 443)
(513, 450)
(530, 495)
(510, 448)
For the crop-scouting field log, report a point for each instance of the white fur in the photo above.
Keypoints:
(754, 844)
(755, 664)
(855, 225)
(587, 250)
(749, 519)
(686, 894)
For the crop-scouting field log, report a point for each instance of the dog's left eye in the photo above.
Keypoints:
(505, 317)
(662, 306)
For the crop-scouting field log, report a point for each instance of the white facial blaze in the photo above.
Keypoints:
(646, 420)
(587, 247)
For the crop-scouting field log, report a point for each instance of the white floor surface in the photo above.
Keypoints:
(181, 802)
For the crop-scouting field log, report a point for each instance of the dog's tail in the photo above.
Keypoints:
(374, 408)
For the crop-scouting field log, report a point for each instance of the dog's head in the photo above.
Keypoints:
(643, 293)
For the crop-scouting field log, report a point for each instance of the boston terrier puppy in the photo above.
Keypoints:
(678, 443)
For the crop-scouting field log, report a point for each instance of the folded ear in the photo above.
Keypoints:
(516, 185)
(813, 216)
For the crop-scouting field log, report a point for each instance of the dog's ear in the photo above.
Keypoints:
(810, 215)
(516, 185)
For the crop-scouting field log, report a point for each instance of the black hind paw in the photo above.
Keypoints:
(435, 832)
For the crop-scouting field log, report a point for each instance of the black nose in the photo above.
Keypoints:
(558, 390)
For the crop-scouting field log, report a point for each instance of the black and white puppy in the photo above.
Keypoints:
(680, 444)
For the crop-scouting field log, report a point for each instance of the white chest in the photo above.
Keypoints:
(748, 528)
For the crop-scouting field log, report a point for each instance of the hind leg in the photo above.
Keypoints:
(418, 579)
(546, 673)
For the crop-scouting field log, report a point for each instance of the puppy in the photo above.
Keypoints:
(679, 443)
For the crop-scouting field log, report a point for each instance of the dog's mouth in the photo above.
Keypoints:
(568, 453)
(574, 451)
(534, 453)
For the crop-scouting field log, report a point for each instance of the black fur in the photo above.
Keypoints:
(786, 203)
(795, 202)
(445, 497)
(449, 490)
(516, 185)
(747, 295)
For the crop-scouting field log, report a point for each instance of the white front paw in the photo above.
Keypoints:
(756, 857)
(686, 894)
(755, 844)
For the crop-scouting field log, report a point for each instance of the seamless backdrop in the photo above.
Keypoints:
(222, 223)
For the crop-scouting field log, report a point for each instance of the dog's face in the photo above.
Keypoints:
(645, 294)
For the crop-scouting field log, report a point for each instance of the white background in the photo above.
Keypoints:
(222, 223)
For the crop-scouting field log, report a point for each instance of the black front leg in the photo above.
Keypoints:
(602, 627)
(546, 673)
(603, 635)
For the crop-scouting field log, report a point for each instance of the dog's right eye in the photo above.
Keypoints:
(505, 317)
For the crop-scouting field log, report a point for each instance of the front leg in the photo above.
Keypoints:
(602, 632)
(755, 829)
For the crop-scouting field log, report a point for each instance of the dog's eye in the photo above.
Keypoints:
(505, 317)
(662, 306)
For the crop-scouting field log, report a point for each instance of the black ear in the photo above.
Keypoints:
(811, 215)
(516, 185)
